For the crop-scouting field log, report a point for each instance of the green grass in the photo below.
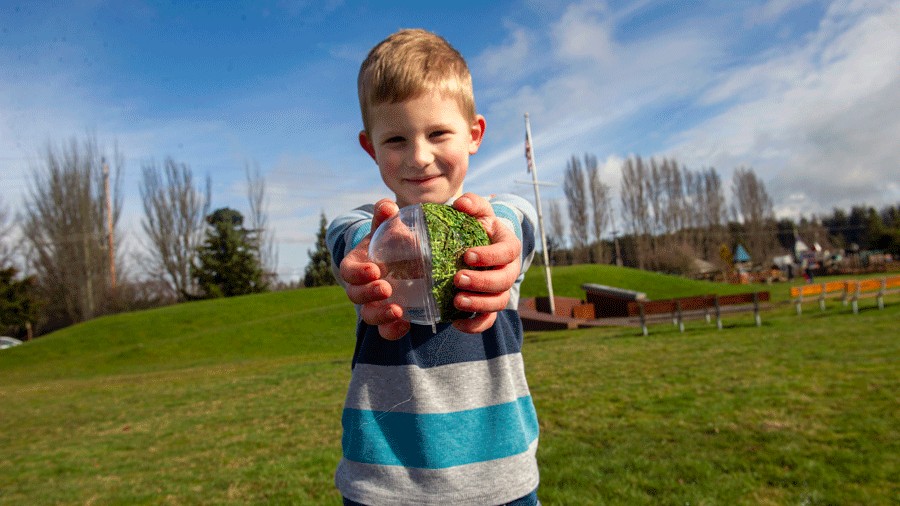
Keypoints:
(238, 401)
(567, 281)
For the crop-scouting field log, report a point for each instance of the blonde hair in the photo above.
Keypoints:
(410, 63)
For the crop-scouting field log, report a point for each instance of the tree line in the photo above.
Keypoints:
(63, 258)
(672, 216)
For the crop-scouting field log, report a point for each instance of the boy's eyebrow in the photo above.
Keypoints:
(387, 133)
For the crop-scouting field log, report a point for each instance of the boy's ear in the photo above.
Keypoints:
(367, 145)
(477, 131)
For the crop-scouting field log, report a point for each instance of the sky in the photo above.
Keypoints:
(806, 93)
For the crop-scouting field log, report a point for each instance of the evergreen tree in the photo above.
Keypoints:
(227, 263)
(18, 303)
(318, 271)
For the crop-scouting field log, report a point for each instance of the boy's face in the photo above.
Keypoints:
(422, 147)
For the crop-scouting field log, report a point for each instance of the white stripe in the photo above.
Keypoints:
(410, 389)
(492, 482)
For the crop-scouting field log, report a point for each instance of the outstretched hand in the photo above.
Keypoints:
(485, 292)
(364, 285)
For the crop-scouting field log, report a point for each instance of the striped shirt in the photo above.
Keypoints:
(443, 418)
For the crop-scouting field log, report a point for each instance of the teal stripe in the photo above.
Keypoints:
(359, 234)
(502, 211)
(437, 441)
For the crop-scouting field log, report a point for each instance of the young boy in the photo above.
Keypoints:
(443, 418)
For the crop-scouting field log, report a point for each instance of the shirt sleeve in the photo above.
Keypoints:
(345, 232)
(520, 216)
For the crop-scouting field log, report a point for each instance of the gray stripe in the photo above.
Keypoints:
(493, 482)
(410, 389)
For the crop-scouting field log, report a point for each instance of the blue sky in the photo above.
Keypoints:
(805, 92)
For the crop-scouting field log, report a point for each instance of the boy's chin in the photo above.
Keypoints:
(427, 198)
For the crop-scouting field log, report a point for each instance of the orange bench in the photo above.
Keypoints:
(877, 288)
(849, 291)
(823, 290)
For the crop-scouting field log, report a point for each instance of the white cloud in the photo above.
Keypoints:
(584, 33)
(508, 61)
(813, 115)
(815, 123)
(576, 107)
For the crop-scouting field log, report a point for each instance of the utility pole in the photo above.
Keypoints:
(532, 167)
(615, 234)
(109, 226)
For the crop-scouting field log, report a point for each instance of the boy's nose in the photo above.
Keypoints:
(421, 155)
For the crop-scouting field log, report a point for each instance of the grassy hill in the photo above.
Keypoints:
(567, 281)
(316, 324)
(238, 401)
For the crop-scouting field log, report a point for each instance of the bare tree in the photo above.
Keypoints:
(6, 228)
(654, 191)
(557, 227)
(712, 211)
(65, 227)
(675, 218)
(635, 209)
(174, 222)
(753, 208)
(556, 240)
(574, 187)
(600, 206)
(259, 222)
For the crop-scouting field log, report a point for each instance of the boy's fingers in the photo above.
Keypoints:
(474, 205)
(393, 331)
(481, 302)
(489, 281)
(384, 209)
(356, 269)
(504, 249)
(367, 293)
(493, 255)
(476, 324)
(380, 314)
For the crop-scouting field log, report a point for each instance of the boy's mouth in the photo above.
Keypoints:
(422, 180)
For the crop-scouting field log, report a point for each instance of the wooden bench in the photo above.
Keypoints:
(703, 306)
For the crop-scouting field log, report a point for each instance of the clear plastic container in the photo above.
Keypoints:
(401, 249)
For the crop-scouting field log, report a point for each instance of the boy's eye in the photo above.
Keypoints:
(439, 133)
(393, 140)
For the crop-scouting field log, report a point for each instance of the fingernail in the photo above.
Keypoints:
(464, 301)
(471, 258)
(464, 281)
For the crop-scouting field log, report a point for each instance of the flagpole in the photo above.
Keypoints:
(532, 167)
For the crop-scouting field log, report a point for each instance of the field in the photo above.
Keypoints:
(238, 401)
